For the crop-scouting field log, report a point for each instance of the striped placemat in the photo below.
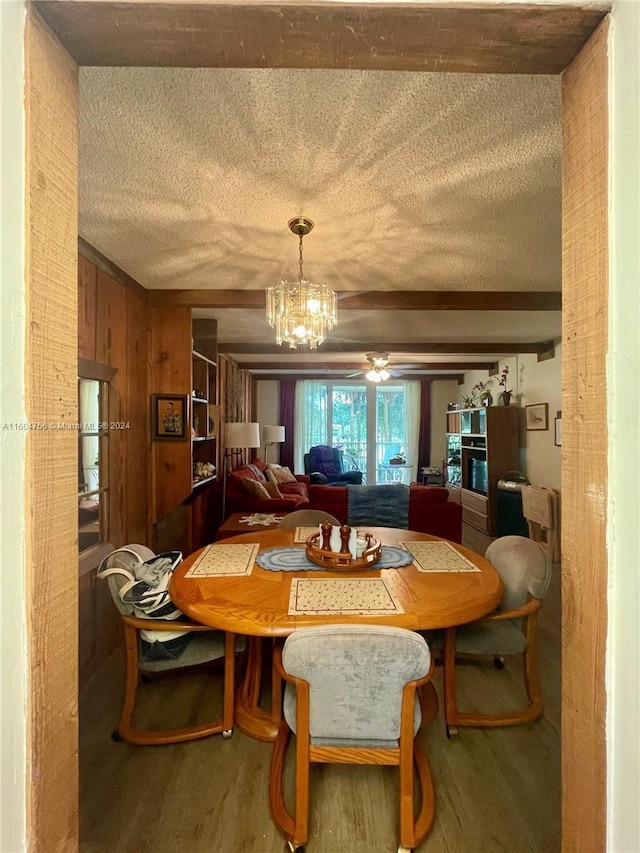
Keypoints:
(438, 557)
(221, 560)
(342, 596)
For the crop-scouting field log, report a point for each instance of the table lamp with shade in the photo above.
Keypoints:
(271, 435)
(237, 436)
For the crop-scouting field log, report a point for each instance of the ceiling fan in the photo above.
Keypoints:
(378, 369)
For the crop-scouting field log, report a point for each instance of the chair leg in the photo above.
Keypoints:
(281, 817)
(132, 677)
(294, 828)
(276, 693)
(144, 737)
(301, 832)
(413, 831)
(229, 683)
(407, 826)
(531, 712)
(530, 665)
(449, 679)
(424, 821)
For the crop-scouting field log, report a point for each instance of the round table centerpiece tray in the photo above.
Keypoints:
(343, 562)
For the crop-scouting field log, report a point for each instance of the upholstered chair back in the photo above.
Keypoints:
(307, 518)
(327, 460)
(523, 565)
(356, 675)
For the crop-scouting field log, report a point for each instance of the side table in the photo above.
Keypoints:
(397, 473)
(233, 526)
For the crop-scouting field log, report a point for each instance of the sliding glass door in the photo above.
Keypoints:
(391, 434)
(348, 427)
(371, 424)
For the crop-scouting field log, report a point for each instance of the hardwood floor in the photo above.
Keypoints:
(497, 791)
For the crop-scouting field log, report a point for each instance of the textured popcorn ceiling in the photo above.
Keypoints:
(415, 181)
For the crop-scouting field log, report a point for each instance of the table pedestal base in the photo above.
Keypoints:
(249, 717)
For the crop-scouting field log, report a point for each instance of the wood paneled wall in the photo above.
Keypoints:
(584, 447)
(237, 394)
(170, 344)
(112, 329)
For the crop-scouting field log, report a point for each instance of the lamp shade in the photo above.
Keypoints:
(242, 435)
(272, 434)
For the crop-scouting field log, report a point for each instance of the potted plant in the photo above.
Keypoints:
(506, 393)
(480, 389)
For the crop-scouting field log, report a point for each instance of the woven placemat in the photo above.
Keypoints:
(438, 557)
(303, 533)
(342, 596)
(221, 560)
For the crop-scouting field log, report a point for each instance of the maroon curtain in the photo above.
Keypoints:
(424, 435)
(287, 413)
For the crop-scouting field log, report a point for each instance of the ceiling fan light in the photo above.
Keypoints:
(373, 376)
(384, 374)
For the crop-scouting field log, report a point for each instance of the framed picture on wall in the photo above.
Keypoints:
(537, 416)
(169, 416)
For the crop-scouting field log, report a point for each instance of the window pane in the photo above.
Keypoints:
(92, 463)
(89, 533)
(89, 404)
(311, 418)
(390, 426)
(349, 424)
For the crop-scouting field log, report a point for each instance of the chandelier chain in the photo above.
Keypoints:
(300, 261)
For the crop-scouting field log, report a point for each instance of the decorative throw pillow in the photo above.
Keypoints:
(272, 488)
(280, 474)
(254, 488)
(257, 473)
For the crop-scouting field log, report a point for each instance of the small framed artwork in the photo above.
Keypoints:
(558, 429)
(537, 416)
(169, 416)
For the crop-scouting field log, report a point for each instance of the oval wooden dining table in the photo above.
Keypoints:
(257, 605)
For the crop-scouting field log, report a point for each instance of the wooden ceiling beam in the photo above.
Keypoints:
(422, 347)
(357, 364)
(298, 34)
(451, 300)
(377, 300)
(208, 298)
(457, 377)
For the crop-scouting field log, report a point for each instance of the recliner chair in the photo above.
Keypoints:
(329, 462)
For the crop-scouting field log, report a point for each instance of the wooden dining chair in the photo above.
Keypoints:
(351, 698)
(307, 518)
(525, 569)
(147, 654)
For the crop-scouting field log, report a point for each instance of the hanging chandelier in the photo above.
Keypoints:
(300, 311)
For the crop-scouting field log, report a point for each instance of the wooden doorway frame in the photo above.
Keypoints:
(475, 45)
